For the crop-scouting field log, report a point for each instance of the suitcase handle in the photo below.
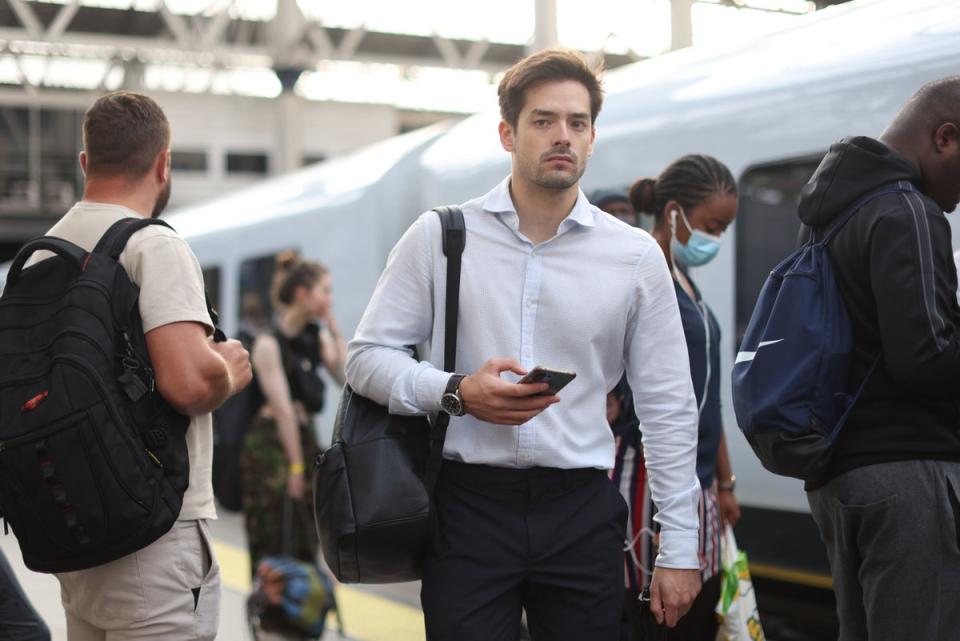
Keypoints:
(75, 255)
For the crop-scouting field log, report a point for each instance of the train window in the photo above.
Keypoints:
(246, 163)
(312, 159)
(189, 161)
(211, 280)
(255, 308)
(767, 226)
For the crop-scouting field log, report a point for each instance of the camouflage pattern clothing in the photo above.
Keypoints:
(265, 497)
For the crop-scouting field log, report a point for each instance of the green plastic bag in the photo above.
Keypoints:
(737, 607)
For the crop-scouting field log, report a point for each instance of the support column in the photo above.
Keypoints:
(286, 32)
(290, 132)
(681, 24)
(545, 28)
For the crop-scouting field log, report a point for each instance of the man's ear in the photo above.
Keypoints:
(946, 138)
(162, 166)
(506, 135)
(83, 163)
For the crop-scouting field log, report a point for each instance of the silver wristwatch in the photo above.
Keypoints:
(451, 402)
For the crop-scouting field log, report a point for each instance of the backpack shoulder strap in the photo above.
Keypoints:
(454, 242)
(901, 187)
(114, 240)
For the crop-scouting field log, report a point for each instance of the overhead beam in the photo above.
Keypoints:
(213, 35)
(350, 43)
(176, 24)
(739, 4)
(232, 55)
(27, 17)
(448, 51)
(321, 41)
(63, 19)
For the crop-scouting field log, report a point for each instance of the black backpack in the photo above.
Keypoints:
(231, 422)
(93, 462)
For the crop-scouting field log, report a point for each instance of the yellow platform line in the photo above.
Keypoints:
(366, 617)
(801, 577)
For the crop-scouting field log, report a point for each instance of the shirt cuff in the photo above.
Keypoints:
(430, 386)
(679, 550)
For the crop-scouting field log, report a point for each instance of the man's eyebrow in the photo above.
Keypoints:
(547, 112)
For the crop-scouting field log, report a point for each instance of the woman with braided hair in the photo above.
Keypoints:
(693, 202)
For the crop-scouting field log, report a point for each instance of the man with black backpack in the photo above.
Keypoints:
(888, 504)
(170, 588)
(524, 515)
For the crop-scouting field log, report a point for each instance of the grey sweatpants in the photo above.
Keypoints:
(892, 533)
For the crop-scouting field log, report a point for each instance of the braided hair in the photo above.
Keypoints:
(689, 181)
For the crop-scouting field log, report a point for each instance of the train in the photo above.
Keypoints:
(769, 108)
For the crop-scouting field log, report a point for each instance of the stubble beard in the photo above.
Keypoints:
(554, 179)
(162, 199)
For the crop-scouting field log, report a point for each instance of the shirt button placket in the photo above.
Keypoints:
(531, 294)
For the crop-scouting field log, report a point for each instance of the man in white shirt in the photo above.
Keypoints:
(525, 517)
(171, 588)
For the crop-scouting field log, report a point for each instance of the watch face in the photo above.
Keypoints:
(451, 404)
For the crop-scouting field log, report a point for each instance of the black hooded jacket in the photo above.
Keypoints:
(894, 266)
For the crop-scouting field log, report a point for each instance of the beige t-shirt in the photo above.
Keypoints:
(171, 291)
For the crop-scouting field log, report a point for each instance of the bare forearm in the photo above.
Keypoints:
(724, 471)
(289, 432)
(202, 391)
(336, 359)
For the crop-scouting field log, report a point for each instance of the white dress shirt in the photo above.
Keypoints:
(597, 299)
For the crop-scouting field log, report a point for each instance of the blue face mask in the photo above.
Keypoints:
(700, 248)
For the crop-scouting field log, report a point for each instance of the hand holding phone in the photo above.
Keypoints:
(557, 379)
(490, 398)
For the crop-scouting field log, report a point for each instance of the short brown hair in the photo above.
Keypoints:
(549, 65)
(123, 132)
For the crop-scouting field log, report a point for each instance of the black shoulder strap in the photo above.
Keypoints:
(454, 241)
(115, 239)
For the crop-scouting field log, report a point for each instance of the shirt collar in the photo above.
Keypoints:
(499, 201)
(120, 211)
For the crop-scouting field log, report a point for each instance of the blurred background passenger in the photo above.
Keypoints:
(692, 202)
(616, 203)
(281, 444)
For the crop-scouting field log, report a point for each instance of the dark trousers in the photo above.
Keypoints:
(544, 540)
(18, 620)
(892, 533)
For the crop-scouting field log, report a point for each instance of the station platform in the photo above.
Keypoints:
(370, 613)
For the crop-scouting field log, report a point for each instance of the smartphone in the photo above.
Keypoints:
(557, 379)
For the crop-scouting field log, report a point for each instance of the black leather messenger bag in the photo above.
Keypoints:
(372, 487)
